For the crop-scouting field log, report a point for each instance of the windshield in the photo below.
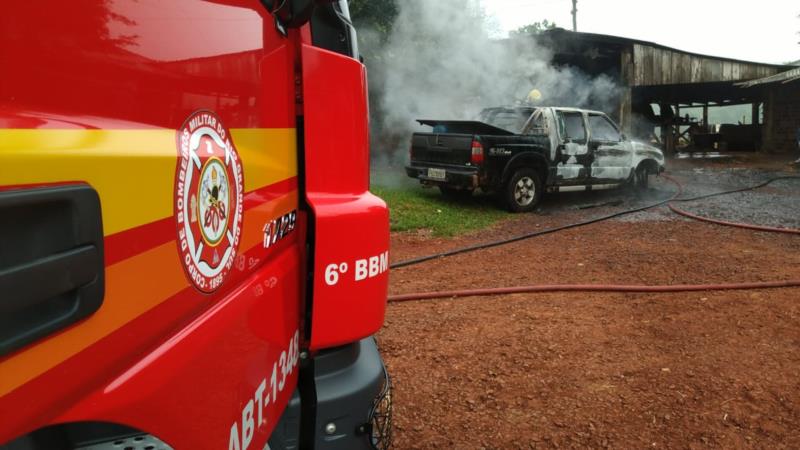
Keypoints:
(508, 119)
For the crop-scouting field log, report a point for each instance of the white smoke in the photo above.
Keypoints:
(441, 63)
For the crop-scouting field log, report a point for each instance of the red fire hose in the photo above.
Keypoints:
(747, 226)
(594, 288)
(620, 287)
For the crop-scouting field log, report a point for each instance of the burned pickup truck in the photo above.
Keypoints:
(521, 152)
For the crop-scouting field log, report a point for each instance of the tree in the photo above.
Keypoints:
(533, 29)
(374, 15)
(373, 20)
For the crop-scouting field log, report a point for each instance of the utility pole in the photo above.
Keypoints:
(574, 15)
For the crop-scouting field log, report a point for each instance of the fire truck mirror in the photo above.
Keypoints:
(291, 13)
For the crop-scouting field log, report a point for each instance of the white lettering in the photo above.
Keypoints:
(247, 425)
(242, 434)
(361, 269)
(233, 439)
(384, 261)
(284, 370)
(279, 228)
(260, 398)
(373, 266)
(331, 274)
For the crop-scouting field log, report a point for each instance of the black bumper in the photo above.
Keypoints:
(455, 176)
(334, 410)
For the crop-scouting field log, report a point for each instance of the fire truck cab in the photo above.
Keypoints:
(190, 257)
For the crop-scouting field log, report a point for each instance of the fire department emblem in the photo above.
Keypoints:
(209, 189)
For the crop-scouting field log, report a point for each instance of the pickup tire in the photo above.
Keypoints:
(455, 194)
(522, 191)
(640, 180)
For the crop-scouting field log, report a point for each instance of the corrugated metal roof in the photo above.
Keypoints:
(560, 33)
(783, 77)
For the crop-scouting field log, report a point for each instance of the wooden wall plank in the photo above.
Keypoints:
(658, 66)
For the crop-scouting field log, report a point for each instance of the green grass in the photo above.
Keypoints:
(414, 208)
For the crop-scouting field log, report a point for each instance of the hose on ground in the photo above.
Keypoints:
(746, 226)
(735, 191)
(608, 287)
(594, 288)
(472, 248)
(673, 198)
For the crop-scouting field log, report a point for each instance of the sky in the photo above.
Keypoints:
(762, 31)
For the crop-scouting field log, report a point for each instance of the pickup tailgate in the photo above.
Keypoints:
(452, 149)
(450, 142)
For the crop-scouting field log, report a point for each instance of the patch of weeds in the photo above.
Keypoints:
(414, 208)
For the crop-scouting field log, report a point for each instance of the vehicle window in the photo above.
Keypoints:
(510, 120)
(536, 125)
(572, 127)
(562, 130)
(602, 129)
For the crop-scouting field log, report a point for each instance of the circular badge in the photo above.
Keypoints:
(209, 190)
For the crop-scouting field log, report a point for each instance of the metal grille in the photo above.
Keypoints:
(381, 417)
(140, 442)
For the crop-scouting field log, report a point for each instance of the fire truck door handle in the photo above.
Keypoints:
(52, 270)
(29, 284)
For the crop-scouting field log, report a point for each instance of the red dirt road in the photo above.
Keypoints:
(698, 370)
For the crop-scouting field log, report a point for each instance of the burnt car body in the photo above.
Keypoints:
(522, 152)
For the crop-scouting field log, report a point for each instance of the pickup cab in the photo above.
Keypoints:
(521, 152)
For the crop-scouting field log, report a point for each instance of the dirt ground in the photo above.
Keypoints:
(691, 370)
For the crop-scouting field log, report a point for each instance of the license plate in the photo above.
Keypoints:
(438, 174)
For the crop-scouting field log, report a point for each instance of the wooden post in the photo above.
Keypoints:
(676, 131)
(625, 108)
(768, 133)
(574, 15)
(755, 120)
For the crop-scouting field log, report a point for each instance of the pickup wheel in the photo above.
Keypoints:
(522, 191)
(641, 178)
(455, 194)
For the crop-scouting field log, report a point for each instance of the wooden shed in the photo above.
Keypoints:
(653, 74)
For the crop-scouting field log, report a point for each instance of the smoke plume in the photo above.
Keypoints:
(441, 63)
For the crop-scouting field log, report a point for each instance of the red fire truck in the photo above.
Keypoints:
(190, 257)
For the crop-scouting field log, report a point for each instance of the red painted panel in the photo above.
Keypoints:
(186, 369)
(337, 123)
(351, 225)
(193, 389)
(253, 319)
(144, 62)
